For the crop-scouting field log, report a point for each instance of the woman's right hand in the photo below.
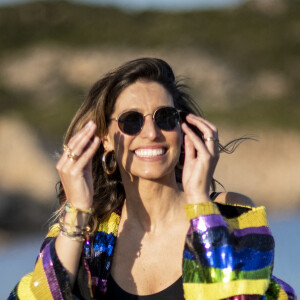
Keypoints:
(76, 174)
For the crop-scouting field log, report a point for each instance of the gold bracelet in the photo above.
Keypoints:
(74, 211)
(80, 233)
(72, 237)
(85, 230)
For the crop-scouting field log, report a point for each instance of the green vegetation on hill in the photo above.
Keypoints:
(249, 39)
(244, 36)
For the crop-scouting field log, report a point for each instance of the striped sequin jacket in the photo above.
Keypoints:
(229, 254)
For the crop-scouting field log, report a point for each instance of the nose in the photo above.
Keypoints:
(149, 130)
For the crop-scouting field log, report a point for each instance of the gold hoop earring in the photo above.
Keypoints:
(105, 164)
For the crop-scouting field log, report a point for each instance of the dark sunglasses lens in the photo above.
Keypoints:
(167, 118)
(131, 122)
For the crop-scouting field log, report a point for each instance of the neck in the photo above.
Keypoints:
(152, 204)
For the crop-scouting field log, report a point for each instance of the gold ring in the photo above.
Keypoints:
(67, 148)
(210, 139)
(71, 155)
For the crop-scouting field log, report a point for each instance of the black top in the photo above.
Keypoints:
(173, 292)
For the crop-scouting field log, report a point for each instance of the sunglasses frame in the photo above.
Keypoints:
(144, 116)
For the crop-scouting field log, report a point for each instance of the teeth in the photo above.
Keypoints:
(149, 152)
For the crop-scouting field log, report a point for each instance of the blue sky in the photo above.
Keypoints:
(153, 4)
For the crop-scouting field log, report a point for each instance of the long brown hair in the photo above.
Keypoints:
(98, 106)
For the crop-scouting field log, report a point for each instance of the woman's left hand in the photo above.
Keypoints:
(201, 157)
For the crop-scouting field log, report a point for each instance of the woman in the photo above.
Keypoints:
(136, 218)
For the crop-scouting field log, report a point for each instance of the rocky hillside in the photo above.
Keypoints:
(243, 62)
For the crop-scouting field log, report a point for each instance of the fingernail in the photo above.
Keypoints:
(89, 123)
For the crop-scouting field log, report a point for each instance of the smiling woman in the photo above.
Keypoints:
(153, 148)
(139, 216)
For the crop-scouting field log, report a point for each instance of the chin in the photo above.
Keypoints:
(153, 173)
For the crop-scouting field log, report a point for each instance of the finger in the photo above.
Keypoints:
(89, 152)
(76, 147)
(75, 137)
(203, 125)
(69, 166)
(81, 139)
(194, 138)
(189, 149)
(209, 124)
(208, 133)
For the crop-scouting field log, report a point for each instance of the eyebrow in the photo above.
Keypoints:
(138, 110)
(131, 109)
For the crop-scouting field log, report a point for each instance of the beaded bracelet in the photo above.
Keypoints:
(70, 208)
(73, 237)
(77, 230)
(70, 229)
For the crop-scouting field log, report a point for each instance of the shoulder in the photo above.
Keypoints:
(235, 199)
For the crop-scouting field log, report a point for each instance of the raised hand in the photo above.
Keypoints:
(75, 166)
(201, 157)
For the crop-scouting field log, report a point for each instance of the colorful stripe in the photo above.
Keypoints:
(206, 222)
(103, 245)
(246, 297)
(22, 290)
(104, 242)
(54, 231)
(196, 273)
(50, 274)
(213, 238)
(283, 285)
(221, 290)
(221, 263)
(219, 236)
(256, 217)
(201, 209)
(224, 257)
(39, 283)
(262, 242)
(110, 225)
(252, 230)
(89, 280)
(61, 273)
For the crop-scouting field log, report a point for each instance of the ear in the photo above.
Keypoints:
(107, 143)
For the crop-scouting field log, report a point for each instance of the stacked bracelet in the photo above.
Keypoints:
(73, 237)
(72, 231)
(72, 209)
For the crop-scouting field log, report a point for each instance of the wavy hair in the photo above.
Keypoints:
(109, 193)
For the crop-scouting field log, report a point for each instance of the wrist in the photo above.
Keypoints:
(78, 220)
(80, 206)
(76, 214)
(76, 229)
(197, 198)
(74, 222)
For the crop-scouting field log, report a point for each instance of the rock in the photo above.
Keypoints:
(28, 177)
(25, 167)
(267, 171)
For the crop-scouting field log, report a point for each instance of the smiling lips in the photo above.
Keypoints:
(148, 152)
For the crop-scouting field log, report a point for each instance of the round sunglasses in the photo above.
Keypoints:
(131, 122)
